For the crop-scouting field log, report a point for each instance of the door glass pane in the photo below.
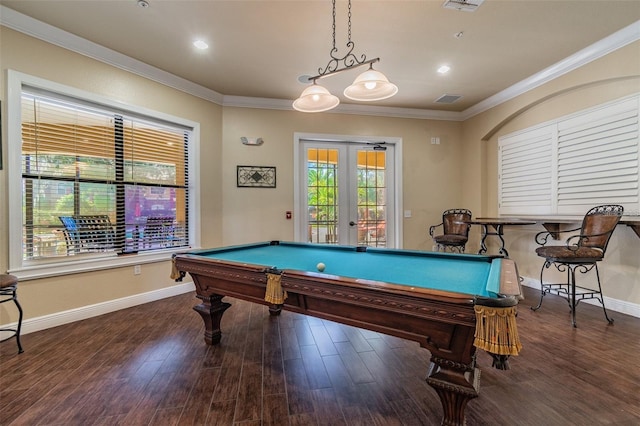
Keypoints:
(322, 195)
(372, 198)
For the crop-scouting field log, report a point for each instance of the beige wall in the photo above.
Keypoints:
(229, 215)
(430, 173)
(435, 177)
(47, 296)
(609, 78)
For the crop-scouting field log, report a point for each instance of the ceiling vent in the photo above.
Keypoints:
(464, 5)
(448, 99)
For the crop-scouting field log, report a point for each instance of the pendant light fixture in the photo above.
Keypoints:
(371, 85)
(315, 98)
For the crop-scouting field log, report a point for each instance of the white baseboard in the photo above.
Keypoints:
(60, 318)
(616, 305)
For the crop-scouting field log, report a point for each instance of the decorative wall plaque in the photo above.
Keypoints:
(256, 177)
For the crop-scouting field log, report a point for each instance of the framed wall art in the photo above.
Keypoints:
(256, 177)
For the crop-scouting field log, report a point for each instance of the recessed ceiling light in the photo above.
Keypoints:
(444, 69)
(199, 44)
(143, 3)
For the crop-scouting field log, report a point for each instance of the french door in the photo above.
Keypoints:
(347, 193)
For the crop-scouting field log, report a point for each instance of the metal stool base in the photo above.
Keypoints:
(10, 292)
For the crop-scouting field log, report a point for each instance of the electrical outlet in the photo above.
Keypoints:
(136, 270)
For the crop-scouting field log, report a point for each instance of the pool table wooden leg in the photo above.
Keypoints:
(211, 310)
(275, 310)
(455, 384)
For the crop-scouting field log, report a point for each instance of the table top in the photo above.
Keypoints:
(500, 221)
(624, 220)
(460, 273)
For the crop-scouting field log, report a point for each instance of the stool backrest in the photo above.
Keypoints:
(598, 225)
(453, 222)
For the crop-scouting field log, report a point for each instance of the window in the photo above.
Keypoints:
(573, 163)
(97, 181)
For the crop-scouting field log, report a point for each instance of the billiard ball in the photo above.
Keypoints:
(320, 266)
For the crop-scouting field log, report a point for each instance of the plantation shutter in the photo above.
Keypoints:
(526, 172)
(598, 158)
(573, 163)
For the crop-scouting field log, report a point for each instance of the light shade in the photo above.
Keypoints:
(371, 85)
(315, 98)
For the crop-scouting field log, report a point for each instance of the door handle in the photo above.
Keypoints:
(352, 223)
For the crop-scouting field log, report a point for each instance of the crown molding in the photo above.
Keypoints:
(50, 34)
(615, 41)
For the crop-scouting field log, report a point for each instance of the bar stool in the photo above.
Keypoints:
(581, 253)
(8, 288)
(455, 230)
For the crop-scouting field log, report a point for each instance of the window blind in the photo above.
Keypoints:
(83, 165)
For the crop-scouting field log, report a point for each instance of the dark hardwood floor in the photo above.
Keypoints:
(149, 365)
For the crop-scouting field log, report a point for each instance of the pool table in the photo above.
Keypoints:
(427, 297)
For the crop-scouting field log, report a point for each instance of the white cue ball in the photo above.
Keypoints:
(320, 266)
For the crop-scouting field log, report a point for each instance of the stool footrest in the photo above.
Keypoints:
(565, 290)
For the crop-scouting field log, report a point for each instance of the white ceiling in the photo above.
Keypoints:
(260, 48)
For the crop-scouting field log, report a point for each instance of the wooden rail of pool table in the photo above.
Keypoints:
(442, 322)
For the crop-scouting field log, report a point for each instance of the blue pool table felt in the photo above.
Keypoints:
(469, 274)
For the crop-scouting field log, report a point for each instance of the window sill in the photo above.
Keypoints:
(43, 269)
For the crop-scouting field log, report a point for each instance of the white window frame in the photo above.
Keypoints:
(39, 268)
(531, 164)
